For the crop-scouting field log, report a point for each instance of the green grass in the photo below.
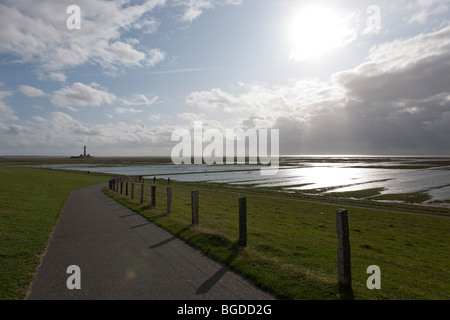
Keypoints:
(415, 197)
(292, 243)
(357, 193)
(30, 203)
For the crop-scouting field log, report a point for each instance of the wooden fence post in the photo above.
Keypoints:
(153, 196)
(142, 193)
(132, 191)
(126, 189)
(121, 187)
(169, 199)
(243, 221)
(344, 264)
(194, 207)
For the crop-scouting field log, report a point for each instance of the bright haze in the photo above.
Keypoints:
(335, 77)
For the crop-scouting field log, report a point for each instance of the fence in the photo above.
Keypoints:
(332, 245)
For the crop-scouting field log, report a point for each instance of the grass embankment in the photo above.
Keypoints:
(30, 203)
(292, 242)
(375, 194)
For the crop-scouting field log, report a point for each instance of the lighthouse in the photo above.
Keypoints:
(82, 155)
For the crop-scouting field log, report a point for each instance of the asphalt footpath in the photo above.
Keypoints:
(113, 253)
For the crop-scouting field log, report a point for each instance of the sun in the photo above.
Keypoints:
(314, 31)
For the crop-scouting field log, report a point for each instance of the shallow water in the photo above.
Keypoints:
(395, 175)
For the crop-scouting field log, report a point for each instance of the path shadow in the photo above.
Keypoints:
(140, 225)
(127, 215)
(175, 236)
(161, 243)
(212, 281)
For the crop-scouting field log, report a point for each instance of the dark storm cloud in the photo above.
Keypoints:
(398, 101)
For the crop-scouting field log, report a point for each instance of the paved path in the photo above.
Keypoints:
(123, 256)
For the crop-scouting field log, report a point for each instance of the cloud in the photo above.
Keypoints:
(212, 99)
(54, 76)
(191, 117)
(14, 129)
(93, 95)
(31, 91)
(124, 54)
(402, 69)
(80, 94)
(138, 100)
(154, 117)
(425, 8)
(149, 25)
(122, 110)
(234, 2)
(62, 134)
(192, 9)
(61, 126)
(177, 71)
(396, 102)
(6, 112)
(295, 96)
(57, 76)
(35, 33)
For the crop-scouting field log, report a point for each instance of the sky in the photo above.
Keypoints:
(334, 77)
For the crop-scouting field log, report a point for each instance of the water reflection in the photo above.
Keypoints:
(394, 175)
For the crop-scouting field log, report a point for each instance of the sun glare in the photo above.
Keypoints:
(314, 31)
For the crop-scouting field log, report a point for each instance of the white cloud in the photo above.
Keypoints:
(54, 76)
(14, 129)
(6, 112)
(191, 117)
(149, 25)
(208, 100)
(128, 56)
(154, 117)
(122, 110)
(57, 76)
(62, 132)
(423, 9)
(194, 8)
(138, 100)
(34, 32)
(80, 94)
(234, 2)
(295, 96)
(31, 91)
